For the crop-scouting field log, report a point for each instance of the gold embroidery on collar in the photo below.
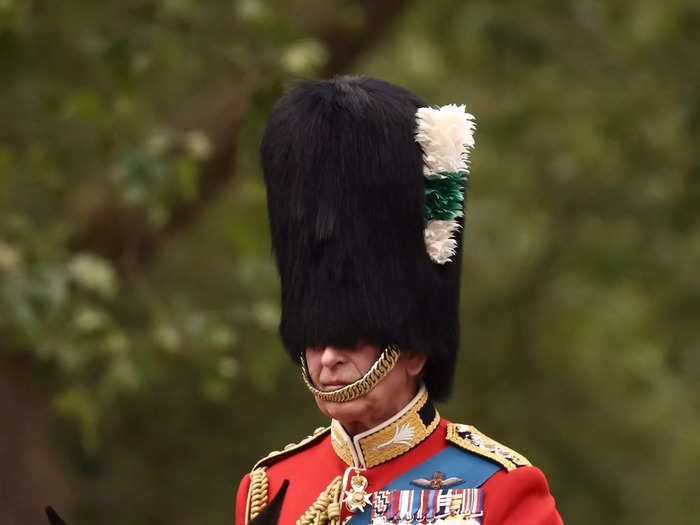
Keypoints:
(340, 445)
(398, 437)
(388, 442)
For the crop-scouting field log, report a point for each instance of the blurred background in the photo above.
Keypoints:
(140, 371)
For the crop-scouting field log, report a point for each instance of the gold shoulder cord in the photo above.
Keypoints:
(381, 367)
(326, 509)
(257, 493)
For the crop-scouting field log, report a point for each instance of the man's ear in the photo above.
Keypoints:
(414, 364)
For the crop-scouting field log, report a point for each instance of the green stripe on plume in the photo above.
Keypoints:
(444, 197)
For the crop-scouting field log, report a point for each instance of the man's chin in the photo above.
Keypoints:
(343, 412)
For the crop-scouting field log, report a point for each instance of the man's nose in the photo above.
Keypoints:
(332, 356)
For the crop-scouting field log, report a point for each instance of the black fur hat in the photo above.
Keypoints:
(365, 196)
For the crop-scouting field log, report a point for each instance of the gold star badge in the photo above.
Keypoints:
(357, 498)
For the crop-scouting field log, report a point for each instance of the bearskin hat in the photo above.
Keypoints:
(365, 187)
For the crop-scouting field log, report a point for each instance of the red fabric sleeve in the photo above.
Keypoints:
(242, 499)
(519, 497)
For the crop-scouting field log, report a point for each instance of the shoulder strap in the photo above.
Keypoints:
(258, 490)
(291, 448)
(469, 438)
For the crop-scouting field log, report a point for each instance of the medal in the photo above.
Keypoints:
(357, 498)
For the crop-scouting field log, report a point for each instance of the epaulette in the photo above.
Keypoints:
(291, 448)
(469, 438)
(259, 485)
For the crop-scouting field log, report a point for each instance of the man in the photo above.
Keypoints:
(365, 187)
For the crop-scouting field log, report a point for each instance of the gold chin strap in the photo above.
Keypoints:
(381, 367)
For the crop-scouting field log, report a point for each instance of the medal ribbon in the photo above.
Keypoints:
(407, 506)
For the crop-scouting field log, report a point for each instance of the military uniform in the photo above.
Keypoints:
(416, 456)
(366, 185)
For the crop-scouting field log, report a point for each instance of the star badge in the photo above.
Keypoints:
(438, 481)
(356, 499)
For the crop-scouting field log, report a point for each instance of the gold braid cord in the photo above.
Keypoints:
(257, 493)
(326, 509)
(381, 367)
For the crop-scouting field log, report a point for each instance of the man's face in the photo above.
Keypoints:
(332, 368)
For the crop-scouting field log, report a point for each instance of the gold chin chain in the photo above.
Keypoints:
(381, 367)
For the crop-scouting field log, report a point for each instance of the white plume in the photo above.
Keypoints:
(445, 134)
(439, 242)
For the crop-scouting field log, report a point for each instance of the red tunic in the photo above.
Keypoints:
(512, 494)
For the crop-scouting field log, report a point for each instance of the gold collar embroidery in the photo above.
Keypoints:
(390, 439)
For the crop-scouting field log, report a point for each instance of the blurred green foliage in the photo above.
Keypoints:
(135, 265)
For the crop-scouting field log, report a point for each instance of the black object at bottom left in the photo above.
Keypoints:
(268, 516)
